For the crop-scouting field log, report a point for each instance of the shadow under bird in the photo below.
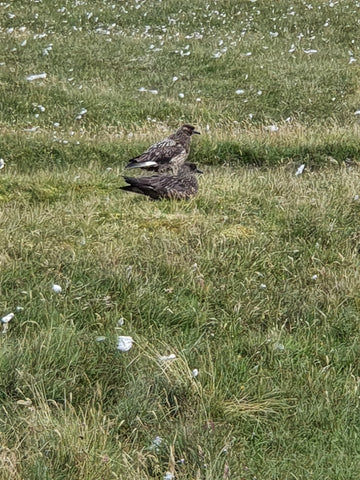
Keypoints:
(184, 185)
(170, 152)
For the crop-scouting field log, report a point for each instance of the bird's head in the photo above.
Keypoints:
(188, 129)
(189, 167)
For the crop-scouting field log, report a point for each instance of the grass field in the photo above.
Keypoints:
(253, 285)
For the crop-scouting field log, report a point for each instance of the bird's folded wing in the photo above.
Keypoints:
(161, 152)
(173, 184)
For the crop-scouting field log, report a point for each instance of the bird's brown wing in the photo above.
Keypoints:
(159, 153)
(163, 187)
(178, 187)
(164, 168)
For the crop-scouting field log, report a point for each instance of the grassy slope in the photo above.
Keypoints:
(225, 281)
(278, 383)
(103, 53)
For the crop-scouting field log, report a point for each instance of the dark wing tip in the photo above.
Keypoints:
(131, 164)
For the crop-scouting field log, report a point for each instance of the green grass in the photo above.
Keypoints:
(225, 282)
(102, 54)
(254, 283)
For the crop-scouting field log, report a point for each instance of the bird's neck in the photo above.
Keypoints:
(183, 139)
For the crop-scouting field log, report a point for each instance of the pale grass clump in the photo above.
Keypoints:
(243, 407)
(48, 433)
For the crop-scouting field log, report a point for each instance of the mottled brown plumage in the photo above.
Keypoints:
(168, 153)
(181, 186)
(167, 169)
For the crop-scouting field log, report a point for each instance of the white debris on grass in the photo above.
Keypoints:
(153, 91)
(195, 372)
(272, 128)
(47, 49)
(7, 318)
(167, 358)
(36, 76)
(38, 106)
(300, 170)
(56, 288)
(5, 321)
(157, 441)
(82, 112)
(124, 343)
(39, 35)
(25, 403)
(169, 476)
(129, 272)
(2, 163)
(32, 129)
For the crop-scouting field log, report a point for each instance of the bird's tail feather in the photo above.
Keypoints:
(135, 164)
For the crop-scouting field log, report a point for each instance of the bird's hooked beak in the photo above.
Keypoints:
(195, 131)
(198, 171)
